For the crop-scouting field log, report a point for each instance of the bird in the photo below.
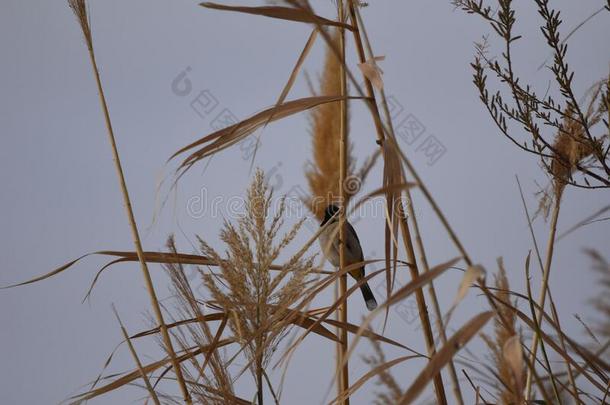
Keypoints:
(329, 241)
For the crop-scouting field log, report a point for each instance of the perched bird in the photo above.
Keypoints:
(329, 241)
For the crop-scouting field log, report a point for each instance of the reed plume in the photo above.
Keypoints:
(323, 173)
(572, 146)
(256, 302)
(503, 332)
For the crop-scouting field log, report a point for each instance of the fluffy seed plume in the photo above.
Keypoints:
(258, 303)
(79, 8)
(572, 146)
(323, 174)
(503, 336)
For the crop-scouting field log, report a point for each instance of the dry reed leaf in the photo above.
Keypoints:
(128, 256)
(130, 377)
(317, 311)
(382, 191)
(537, 340)
(209, 354)
(282, 13)
(372, 71)
(100, 376)
(135, 357)
(473, 273)
(51, 273)
(306, 322)
(399, 295)
(330, 280)
(125, 256)
(218, 316)
(230, 135)
(601, 300)
(234, 400)
(372, 373)
(446, 353)
(351, 328)
(392, 174)
(313, 324)
(420, 281)
(592, 361)
(297, 67)
(166, 258)
(513, 355)
(593, 218)
(291, 79)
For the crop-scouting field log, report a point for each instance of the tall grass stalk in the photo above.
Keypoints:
(80, 10)
(554, 313)
(136, 359)
(421, 303)
(457, 392)
(544, 287)
(343, 155)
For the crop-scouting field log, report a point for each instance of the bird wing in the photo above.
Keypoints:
(329, 241)
(353, 244)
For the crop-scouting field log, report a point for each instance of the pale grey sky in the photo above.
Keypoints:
(61, 198)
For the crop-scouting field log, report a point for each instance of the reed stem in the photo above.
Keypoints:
(343, 145)
(421, 303)
(544, 287)
(554, 312)
(136, 236)
(136, 359)
(417, 236)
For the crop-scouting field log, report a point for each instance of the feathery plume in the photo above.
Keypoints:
(503, 334)
(572, 146)
(323, 174)
(79, 8)
(259, 304)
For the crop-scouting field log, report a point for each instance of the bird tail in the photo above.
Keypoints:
(369, 298)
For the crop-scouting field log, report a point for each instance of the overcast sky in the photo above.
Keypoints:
(61, 198)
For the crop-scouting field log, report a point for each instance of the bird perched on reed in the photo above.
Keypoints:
(329, 241)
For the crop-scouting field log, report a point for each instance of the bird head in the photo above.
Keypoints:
(330, 212)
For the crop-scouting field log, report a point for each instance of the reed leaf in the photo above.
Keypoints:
(446, 353)
(282, 13)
